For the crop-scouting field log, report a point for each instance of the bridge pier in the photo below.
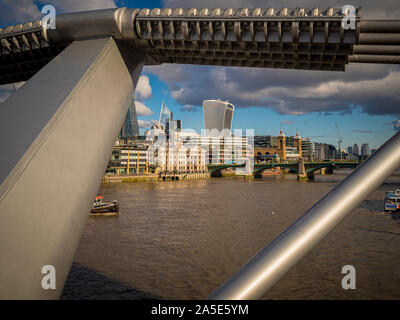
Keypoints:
(216, 174)
(257, 175)
(305, 176)
(302, 177)
(57, 134)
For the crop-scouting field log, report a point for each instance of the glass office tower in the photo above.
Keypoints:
(130, 127)
(217, 114)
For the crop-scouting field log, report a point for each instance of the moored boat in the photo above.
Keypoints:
(108, 208)
(392, 201)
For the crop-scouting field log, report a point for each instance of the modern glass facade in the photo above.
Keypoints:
(130, 127)
(217, 114)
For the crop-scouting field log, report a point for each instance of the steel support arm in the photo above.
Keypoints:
(267, 267)
(369, 58)
(56, 137)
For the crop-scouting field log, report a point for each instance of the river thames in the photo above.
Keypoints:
(182, 239)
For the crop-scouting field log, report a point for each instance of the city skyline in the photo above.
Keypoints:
(193, 119)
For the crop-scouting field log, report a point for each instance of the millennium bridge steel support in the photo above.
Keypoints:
(254, 279)
(57, 134)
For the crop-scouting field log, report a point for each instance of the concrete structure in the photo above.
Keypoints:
(218, 115)
(81, 79)
(298, 145)
(282, 147)
(324, 151)
(307, 149)
(224, 149)
(129, 159)
(70, 126)
(265, 141)
(172, 155)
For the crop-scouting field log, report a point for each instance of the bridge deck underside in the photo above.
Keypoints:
(297, 38)
(310, 39)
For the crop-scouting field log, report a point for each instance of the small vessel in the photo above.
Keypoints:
(108, 208)
(272, 172)
(392, 201)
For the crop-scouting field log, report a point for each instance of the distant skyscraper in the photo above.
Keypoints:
(217, 114)
(365, 150)
(350, 149)
(356, 151)
(165, 114)
(130, 127)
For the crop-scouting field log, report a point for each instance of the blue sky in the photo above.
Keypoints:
(363, 101)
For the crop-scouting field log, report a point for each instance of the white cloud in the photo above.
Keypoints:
(188, 108)
(142, 109)
(143, 88)
(383, 9)
(79, 5)
(21, 11)
(144, 124)
(18, 11)
(383, 87)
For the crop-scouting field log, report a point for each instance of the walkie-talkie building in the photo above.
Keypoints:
(217, 114)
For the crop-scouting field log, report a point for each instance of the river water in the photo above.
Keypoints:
(182, 239)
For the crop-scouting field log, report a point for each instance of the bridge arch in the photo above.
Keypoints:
(259, 168)
(313, 169)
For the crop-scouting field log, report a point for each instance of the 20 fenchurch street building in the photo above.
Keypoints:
(217, 114)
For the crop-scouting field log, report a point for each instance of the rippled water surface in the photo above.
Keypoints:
(182, 239)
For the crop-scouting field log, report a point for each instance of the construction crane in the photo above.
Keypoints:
(339, 141)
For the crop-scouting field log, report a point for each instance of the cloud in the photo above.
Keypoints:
(363, 131)
(79, 5)
(144, 124)
(371, 88)
(143, 88)
(18, 11)
(21, 11)
(142, 109)
(383, 9)
(188, 108)
(286, 122)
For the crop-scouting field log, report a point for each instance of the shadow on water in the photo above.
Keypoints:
(372, 205)
(87, 284)
(396, 217)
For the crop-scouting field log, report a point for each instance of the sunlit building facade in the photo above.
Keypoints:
(218, 114)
